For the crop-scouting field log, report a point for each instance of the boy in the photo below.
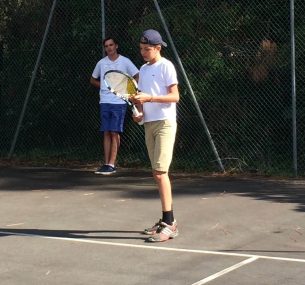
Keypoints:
(112, 108)
(159, 94)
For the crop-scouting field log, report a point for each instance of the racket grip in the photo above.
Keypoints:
(135, 111)
(137, 114)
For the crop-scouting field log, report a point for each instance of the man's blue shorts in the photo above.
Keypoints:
(112, 117)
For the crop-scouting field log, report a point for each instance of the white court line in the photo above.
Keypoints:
(157, 247)
(14, 225)
(225, 271)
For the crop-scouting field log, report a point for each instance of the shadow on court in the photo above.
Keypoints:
(29, 179)
(70, 226)
(102, 234)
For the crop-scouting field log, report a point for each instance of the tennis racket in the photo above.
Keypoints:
(122, 85)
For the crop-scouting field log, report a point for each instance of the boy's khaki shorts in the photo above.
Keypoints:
(160, 140)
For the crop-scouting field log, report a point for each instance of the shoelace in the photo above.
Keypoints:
(158, 224)
(161, 226)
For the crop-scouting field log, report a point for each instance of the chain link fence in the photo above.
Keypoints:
(234, 65)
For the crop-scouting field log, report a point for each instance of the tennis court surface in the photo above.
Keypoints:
(69, 226)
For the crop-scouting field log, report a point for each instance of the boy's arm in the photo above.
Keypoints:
(95, 82)
(171, 96)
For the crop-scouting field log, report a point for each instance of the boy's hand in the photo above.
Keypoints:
(139, 118)
(141, 98)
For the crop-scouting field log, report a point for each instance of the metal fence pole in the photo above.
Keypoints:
(32, 81)
(293, 79)
(189, 86)
(103, 22)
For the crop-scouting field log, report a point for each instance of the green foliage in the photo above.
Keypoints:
(236, 55)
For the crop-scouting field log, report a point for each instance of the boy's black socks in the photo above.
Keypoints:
(168, 217)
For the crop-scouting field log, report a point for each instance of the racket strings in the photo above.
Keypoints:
(123, 86)
(117, 82)
(120, 84)
(131, 88)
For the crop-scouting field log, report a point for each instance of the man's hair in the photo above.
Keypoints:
(110, 38)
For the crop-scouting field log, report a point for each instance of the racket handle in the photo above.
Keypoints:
(137, 114)
(135, 111)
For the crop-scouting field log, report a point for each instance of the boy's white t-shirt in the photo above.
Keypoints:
(154, 79)
(122, 63)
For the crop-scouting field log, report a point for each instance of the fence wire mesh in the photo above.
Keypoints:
(236, 56)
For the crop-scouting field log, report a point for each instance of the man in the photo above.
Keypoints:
(159, 94)
(112, 108)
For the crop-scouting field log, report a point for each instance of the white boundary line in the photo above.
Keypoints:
(225, 271)
(156, 247)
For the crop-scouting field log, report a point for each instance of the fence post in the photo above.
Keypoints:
(103, 22)
(189, 87)
(293, 91)
(32, 81)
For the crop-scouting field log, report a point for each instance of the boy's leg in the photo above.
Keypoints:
(114, 148)
(112, 121)
(160, 138)
(107, 146)
(165, 189)
(114, 117)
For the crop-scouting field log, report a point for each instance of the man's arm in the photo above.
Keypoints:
(136, 77)
(95, 82)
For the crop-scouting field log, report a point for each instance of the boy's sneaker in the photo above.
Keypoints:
(100, 170)
(164, 232)
(106, 170)
(153, 229)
